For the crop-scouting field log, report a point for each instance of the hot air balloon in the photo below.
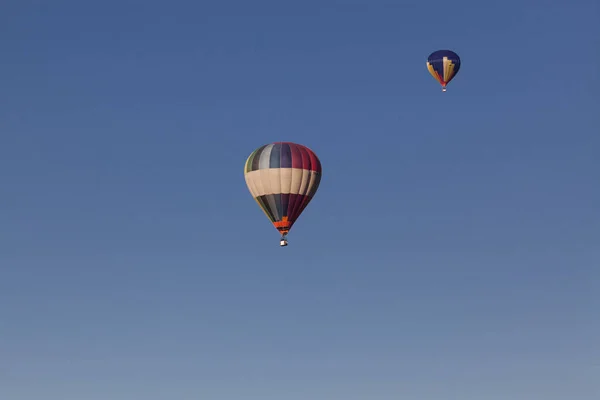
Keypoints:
(283, 177)
(443, 65)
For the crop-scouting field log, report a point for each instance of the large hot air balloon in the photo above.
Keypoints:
(283, 177)
(443, 65)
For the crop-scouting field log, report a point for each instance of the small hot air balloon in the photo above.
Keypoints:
(283, 177)
(443, 65)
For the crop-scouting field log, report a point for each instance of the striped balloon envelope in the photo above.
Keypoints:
(283, 177)
(443, 65)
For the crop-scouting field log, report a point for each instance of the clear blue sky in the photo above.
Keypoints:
(452, 251)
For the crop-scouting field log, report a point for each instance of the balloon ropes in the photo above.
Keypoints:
(283, 177)
(443, 65)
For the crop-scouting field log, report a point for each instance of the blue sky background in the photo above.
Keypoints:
(452, 251)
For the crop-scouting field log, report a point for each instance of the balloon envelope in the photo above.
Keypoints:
(443, 65)
(283, 177)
